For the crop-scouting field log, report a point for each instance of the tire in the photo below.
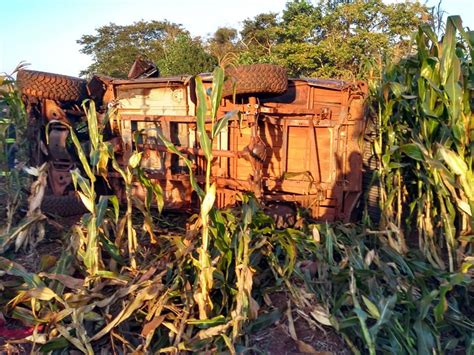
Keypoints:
(63, 206)
(370, 182)
(256, 79)
(283, 214)
(51, 86)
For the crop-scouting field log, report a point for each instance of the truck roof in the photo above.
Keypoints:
(325, 83)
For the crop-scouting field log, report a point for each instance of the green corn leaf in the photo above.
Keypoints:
(222, 123)
(92, 125)
(112, 249)
(80, 182)
(201, 119)
(172, 148)
(54, 344)
(425, 339)
(454, 90)
(428, 31)
(152, 188)
(263, 321)
(25, 316)
(135, 159)
(88, 203)
(216, 93)
(119, 169)
(208, 201)
(207, 323)
(468, 36)
(82, 156)
(115, 203)
(105, 151)
(447, 286)
(101, 208)
(385, 315)
(413, 151)
(91, 255)
(457, 165)
(397, 89)
(373, 310)
(361, 314)
(449, 51)
(15, 269)
(62, 267)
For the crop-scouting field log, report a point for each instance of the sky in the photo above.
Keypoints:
(44, 32)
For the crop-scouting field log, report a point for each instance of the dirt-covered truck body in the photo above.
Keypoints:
(294, 142)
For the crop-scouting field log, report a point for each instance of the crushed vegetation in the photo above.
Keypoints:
(123, 285)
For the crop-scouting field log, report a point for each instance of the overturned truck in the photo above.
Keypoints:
(296, 142)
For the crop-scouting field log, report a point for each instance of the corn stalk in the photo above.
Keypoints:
(14, 147)
(93, 165)
(425, 112)
(208, 195)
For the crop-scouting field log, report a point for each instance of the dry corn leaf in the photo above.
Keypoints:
(145, 294)
(321, 315)
(66, 280)
(210, 332)
(42, 293)
(152, 325)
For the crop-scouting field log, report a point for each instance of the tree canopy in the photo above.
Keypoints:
(114, 48)
(330, 38)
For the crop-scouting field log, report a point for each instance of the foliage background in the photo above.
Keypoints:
(338, 39)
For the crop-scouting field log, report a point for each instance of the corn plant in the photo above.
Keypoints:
(14, 144)
(13, 160)
(95, 164)
(425, 117)
(208, 195)
(189, 294)
(30, 230)
(379, 300)
(128, 176)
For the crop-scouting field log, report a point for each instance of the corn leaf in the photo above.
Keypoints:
(201, 119)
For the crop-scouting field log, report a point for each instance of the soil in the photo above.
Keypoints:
(277, 340)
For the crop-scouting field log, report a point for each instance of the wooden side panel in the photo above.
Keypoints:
(320, 151)
(172, 101)
(298, 150)
(244, 169)
(272, 135)
(324, 164)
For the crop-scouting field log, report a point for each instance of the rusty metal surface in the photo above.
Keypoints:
(143, 68)
(300, 147)
(169, 79)
(328, 83)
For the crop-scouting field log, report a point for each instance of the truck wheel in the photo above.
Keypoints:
(255, 79)
(51, 86)
(64, 206)
(370, 182)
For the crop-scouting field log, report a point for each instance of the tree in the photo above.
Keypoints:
(185, 55)
(332, 38)
(223, 43)
(259, 38)
(114, 49)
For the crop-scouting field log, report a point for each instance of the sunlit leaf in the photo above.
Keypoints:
(216, 93)
(201, 119)
(413, 151)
